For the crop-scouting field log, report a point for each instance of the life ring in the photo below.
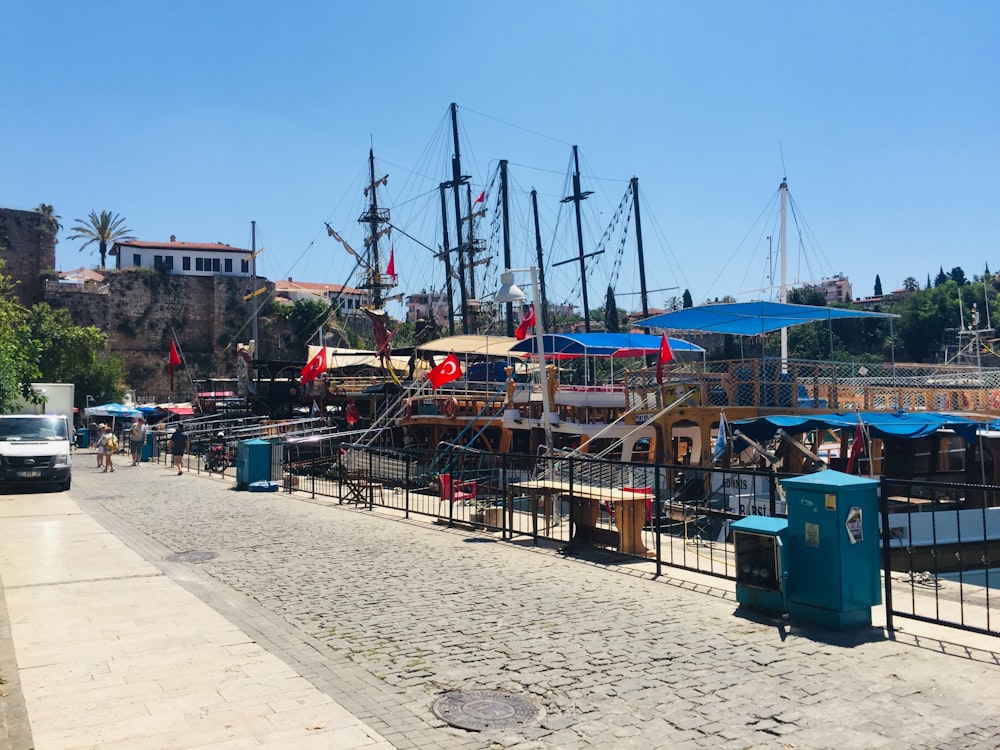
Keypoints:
(995, 399)
(451, 407)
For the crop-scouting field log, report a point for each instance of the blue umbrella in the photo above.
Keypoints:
(112, 410)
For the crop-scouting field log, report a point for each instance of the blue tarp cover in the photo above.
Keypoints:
(602, 345)
(878, 424)
(752, 318)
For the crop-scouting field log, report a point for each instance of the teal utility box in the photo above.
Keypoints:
(147, 447)
(253, 462)
(833, 549)
(761, 562)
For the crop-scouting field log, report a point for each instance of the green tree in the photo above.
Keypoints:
(924, 317)
(910, 284)
(75, 354)
(958, 276)
(46, 210)
(306, 317)
(688, 302)
(878, 286)
(611, 319)
(807, 295)
(104, 229)
(941, 278)
(18, 354)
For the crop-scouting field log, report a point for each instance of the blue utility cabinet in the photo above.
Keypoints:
(833, 549)
(253, 462)
(761, 562)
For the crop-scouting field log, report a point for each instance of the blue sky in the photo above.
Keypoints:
(194, 118)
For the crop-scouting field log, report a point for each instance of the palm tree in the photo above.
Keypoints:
(46, 210)
(105, 230)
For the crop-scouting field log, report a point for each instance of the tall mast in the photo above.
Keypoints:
(504, 202)
(783, 252)
(446, 254)
(375, 282)
(577, 198)
(638, 244)
(543, 313)
(457, 180)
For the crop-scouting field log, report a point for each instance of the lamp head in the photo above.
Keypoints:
(509, 291)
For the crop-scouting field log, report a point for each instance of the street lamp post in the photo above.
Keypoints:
(510, 292)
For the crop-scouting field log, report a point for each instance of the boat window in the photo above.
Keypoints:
(611, 449)
(642, 450)
(923, 452)
(951, 454)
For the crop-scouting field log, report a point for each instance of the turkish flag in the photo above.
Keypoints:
(315, 367)
(174, 360)
(352, 415)
(529, 320)
(480, 199)
(390, 270)
(445, 372)
(857, 449)
(665, 356)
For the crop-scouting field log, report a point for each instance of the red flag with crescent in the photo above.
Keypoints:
(174, 360)
(315, 367)
(529, 320)
(445, 372)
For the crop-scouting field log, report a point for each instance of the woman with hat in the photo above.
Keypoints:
(100, 446)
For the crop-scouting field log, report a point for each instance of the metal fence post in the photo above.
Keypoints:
(883, 508)
(657, 520)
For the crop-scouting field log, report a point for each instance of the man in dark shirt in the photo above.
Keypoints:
(178, 446)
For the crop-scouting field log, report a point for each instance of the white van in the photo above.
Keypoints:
(35, 448)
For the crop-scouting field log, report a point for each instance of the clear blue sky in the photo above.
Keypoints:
(194, 118)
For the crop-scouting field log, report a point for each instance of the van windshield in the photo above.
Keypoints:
(40, 428)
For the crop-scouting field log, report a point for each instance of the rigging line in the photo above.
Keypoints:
(517, 127)
(743, 240)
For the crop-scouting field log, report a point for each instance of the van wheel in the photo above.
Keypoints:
(64, 487)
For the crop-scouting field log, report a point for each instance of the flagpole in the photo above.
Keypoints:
(180, 351)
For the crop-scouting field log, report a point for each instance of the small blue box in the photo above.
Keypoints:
(264, 486)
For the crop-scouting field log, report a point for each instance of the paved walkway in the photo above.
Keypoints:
(149, 610)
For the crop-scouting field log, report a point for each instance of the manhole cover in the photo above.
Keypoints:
(196, 555)
(484, 709)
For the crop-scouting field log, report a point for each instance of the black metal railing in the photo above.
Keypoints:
(941, 553)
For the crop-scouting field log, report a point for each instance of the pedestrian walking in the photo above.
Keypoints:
(179, 443)
(137, 439)
(109, 443)
(97, 444)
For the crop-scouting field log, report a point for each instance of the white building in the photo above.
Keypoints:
(183, 258)
(348, 299)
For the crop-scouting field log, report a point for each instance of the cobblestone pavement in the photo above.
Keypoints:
(385, 615)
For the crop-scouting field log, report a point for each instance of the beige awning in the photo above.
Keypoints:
(337, 359)
(492, 346)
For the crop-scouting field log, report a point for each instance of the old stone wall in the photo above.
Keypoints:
(27, 247)
(142, 309)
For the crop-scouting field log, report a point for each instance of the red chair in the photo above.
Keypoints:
(457, 490)
(649, 500)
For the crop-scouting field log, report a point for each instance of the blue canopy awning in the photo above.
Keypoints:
(752, 318)
(878, 424)
(602, 345)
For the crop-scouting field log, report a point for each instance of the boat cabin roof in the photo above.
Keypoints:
(878, 424)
